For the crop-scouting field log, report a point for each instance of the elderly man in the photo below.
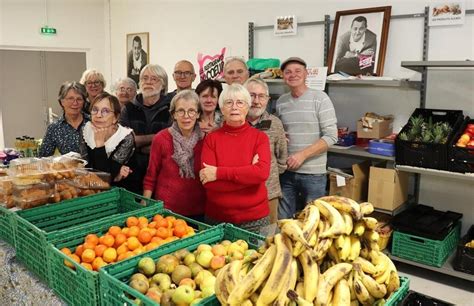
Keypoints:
(309, 119)
(235, 71)
(183, 76)
(125, 89)
(148, 113)
(259, 118)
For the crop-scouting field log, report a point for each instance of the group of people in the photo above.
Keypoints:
(214, 154)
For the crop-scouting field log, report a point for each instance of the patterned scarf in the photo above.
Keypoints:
(183, 153)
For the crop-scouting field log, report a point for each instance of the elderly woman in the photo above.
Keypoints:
(208, 92)
(107, 145)
(148, 113)
(94, 82)
(236, 164)
(65, 134)
(175, 160)
(259, 118)
(125, 90)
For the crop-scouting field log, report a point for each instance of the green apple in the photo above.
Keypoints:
(189, 259)
(203, 247)
(207, 291)
(201, 276)
(162, 280)
(208, 282)
(146, 265)
(204, 258)
(183, 295)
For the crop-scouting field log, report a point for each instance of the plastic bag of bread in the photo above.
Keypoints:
(64, 190)
(6, 189)
(31, 195)
(91, 179)
(62, 167)
(27, 170)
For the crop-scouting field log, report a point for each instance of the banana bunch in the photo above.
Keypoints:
(470, 244)
(328, 255)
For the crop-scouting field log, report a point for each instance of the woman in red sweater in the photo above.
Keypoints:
(236, 164)
(175, 159)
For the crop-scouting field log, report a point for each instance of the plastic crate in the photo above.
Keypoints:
(114, 279)
(461, 159)
(35, 228)
(415, 299)
(427, 251)
(6, 227)
(427, 155)
(401, 292)
(81, 286)
(464, 260)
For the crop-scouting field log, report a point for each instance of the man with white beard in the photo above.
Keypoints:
(259, 118)
(148, 113)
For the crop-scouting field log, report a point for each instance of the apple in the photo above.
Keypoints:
(183, 295)
(208, 282)
(204, 258)
(189, 259)
(236, 255)
(166, 298)
(188, 281)
(146, 265)
(196, 302)
(180, 254)
(197, 294)
(207, 291)
(162, 280)
(139, 285)
(195, 268)
(219, 250)
(139, 276)
(203, 247)
(217, 262)
(167, 264)
(234, 247)
(243, 244)
(180, 272)
(201, 276)
(249, 252)
(154, 294)
(464, 138)
(226, 243)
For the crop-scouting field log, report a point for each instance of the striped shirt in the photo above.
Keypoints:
(307, 119)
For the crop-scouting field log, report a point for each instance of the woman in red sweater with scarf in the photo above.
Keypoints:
(175, 160)
(236, 164)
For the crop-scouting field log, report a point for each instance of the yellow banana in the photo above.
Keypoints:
(350, 282)
(364, 253)
(365, 265)
(393, 282)
(344, 204)
(342, 294)
(254, 278)
(254, 297)
(310, 274)
(346, 249)
(366, 208)
(233, 276)
(381, 262)
(339, 242)
(371, 236)
(282, 298)
(348, 222)
(354, 302)
(333, 254)
(362, 293)
(247, 302)
(279, 274)
(311, 221)
(322, 247)
(370, 223)
(299, 288)
(354, 248)
(359, 228)
(385, 277)
(328, 280)
(338, 226)
(292, 295)
(220, 287)
(375, 289)
(293, 230)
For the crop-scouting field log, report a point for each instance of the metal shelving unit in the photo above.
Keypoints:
(357, 151)
(420, 65)
(434, 172)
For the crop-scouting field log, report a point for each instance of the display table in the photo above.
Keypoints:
(18, 286)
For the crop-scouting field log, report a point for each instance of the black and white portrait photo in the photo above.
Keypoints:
(359, 41)
(137, 57)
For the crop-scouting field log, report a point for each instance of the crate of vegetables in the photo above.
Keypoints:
(35, 228)
(76, 255)
(461, 150)
(424, 140)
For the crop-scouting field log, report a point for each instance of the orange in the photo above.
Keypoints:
(125, 231)
(75, 258)
(89, 245)
(151, 246)
(137, 251)
(110, 254)
(190, 229)
(119, 240)
(157, 217)
(171, 238)
(142, 220)
(132, 221)
(152, 224)
(86, 265)
(88, 255)
(179, 222)
(152, 231)
(180, 230)
(162, 232)
(98, 263)
(115, 230)
(156, 240)
(133, 243)
(162, 223)
(121, 256)
(133, 231)
(144, 236)
(129, 254)
(79, 250)
(92, 238)
(122, 249)
(107, 240)
(99, 249)
(66, 251)
(170, 219)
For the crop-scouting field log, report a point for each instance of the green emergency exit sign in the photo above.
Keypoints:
(48, 31)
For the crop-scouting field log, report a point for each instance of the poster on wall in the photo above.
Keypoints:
(446, 13)
(211, 66)
(359, 41)
(316, 77)
(138, 54)
(285, 25)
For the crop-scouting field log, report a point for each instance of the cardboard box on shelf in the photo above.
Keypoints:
(379, 129)
(353, 185)
(388, 188)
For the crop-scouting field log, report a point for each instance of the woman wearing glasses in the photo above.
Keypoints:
(235, 166)
(64, 135)
(208, 92)
(125, 90)
(108, 146)
(175, 158)
(94, 82)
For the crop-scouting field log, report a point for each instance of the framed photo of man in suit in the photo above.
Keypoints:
(359, 41)
(138, 53)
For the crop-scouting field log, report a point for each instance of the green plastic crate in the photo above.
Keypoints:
(6, 228)
(35, 228)
(114, 279)
(423, 250)
(81, 286)
(401, 292)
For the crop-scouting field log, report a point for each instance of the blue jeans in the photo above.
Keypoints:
(298, 189)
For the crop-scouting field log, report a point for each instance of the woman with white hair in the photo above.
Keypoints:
(94, 82)
(175, 159)
(236, 164)
(125, 90)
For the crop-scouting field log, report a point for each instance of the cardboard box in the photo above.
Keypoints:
(355, 185)
(379, 129)
(388, 188)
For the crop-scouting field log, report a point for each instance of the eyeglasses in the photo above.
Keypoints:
(191, 113)
(260, 97)
(72, 99)
(238, 103)
(93, 83)
(123, 89)
(186, 74)
(104, 112)
(151, 79)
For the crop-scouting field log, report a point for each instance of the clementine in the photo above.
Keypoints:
(99, 249)
(107, 240)
(133, 243)
(79, 250)
(119, 240)
(133, 231)
(98, 263)
(86, 265)
(122, 249)
(110, 254)
(132, 221)
(73, 257)
(89, 245)
(144, 236)
(92, 238)
(66, 251)
(88, 255)
(162, 232)
(180, 230)
(157, 217)
(115, 230)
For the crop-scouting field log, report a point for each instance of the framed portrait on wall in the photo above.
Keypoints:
(138, 54)
(359, 41)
